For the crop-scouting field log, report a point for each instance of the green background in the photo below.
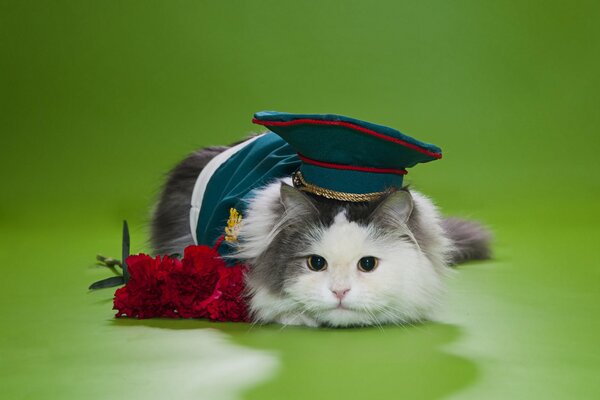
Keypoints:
(100, 99)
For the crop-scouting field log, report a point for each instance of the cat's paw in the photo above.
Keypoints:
(297, 320)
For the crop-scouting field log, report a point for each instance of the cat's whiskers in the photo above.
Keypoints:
(399, 320)
(390, 313)
(373, 318)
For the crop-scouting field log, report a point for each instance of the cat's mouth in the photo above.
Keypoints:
(342, 315)
(343, 307)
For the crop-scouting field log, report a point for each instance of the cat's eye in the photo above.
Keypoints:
(368, 264)
(316, 263)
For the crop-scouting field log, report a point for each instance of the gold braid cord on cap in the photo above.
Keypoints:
(301, 184)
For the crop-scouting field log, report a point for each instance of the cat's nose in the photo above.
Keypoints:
(340, 293)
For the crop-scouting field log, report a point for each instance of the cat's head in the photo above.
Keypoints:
(339, 263)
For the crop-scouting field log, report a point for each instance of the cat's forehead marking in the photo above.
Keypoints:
(341, 217)
(344, 240)
(361, 213)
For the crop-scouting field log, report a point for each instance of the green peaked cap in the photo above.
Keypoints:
(344, 155)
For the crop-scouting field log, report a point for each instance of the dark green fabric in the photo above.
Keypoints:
(266, 158)
(349, 147)
(391, 132)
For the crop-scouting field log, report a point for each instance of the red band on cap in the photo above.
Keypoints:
(352, 167)
(351, 126)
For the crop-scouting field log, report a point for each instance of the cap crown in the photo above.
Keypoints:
(347, 155)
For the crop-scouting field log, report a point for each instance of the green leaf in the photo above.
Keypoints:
(108, 282)
(125, 250)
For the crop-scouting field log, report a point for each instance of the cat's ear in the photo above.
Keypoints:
(296, 201)
(395, 209)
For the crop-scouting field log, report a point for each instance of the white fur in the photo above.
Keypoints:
(405, 287)
(259, 224)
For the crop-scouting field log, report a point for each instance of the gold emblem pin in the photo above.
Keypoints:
(233, 225)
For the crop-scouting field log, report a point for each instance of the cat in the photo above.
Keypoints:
(319, 262)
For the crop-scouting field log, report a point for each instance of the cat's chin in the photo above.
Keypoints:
(340, 317)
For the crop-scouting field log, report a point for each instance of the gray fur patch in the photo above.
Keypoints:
(471, 240)
(285, 255)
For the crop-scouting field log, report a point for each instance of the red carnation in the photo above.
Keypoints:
(194, 281)
(144, 296)
(198, 286)
(227, 302)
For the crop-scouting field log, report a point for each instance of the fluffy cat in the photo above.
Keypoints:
(319, 262)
